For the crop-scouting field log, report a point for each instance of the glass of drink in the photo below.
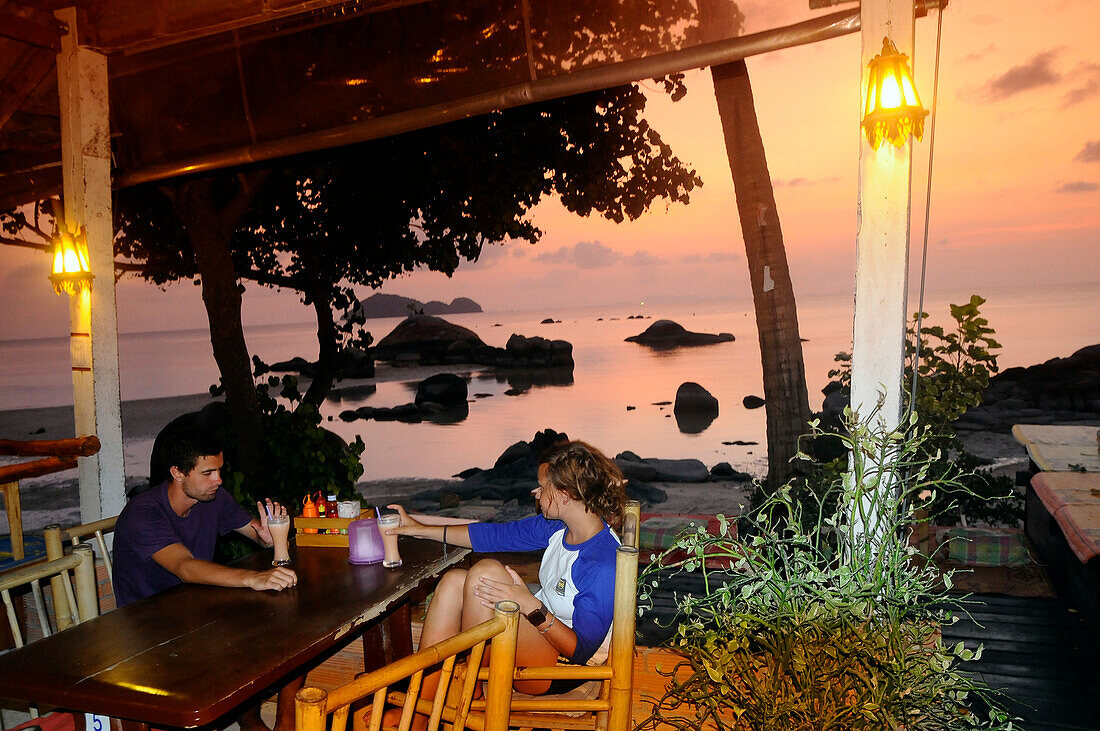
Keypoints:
(279, 525)
(392, 558)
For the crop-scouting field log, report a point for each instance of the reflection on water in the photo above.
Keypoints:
(593, 402)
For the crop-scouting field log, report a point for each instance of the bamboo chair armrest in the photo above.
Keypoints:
(18, 577)
(79, 532)
(558, 672)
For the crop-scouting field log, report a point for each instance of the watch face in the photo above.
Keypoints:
(537, 617)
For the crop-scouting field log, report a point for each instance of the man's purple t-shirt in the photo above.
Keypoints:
(147, 524)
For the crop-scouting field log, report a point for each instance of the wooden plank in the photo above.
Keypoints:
(78, 447)
(31, 32)
(22, 80)
(37, 468)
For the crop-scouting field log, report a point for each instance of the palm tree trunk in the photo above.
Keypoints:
(786, 400)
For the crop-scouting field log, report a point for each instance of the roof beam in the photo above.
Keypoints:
(23, 80)
(30, 32)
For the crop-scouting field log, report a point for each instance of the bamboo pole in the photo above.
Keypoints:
(502, 663)
(62, 612)
(309, 709)
(622, 638)
(87, 598)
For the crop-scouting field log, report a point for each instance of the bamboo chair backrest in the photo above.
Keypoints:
(612, 709)
(81, 564)
(96, 529)
(312, 705)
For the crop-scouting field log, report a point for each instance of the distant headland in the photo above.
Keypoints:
(394, 305)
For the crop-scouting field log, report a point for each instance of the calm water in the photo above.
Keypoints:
(1033, 325)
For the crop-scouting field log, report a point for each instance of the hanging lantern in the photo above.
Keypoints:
(71, 273)
(893, 109)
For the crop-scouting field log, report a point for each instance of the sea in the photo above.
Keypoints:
(618, 398)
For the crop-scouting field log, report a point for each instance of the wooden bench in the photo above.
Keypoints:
(1063, 525)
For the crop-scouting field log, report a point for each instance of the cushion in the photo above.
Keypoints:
(987, 547)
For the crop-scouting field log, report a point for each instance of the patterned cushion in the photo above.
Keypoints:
(987, 547)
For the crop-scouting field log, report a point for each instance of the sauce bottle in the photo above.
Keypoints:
(309, 510)
(331, 512)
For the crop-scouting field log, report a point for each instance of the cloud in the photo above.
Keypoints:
(1089, 74)
(801, 182)
(491, 255)
(1078, 186)
(642, 259)
(979, 55)
(1090, 153)
(1034, 74)
(714, 257)
(583, 254)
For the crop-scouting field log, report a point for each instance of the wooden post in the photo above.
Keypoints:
(15, 518)
(502, 661)
(86, 164)
(87, 598)
(882, 245)
(310, 709)
(62, 612)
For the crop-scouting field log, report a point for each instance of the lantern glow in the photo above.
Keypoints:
(71, 272)
(893, 110)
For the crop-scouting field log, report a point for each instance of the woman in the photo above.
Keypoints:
(580, 496)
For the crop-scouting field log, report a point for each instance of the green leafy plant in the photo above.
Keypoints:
(953, 368)
(825, 619)
(300, 456)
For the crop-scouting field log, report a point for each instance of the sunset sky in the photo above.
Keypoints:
(1015, 196)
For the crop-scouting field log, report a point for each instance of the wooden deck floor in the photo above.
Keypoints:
(1041, 654)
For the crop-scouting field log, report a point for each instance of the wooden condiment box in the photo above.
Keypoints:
(324, 539)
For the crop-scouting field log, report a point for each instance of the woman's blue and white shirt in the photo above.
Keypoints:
(578, 581)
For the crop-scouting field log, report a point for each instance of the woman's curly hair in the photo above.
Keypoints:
(585, 473)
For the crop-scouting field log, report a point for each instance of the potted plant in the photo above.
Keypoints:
(826, 617)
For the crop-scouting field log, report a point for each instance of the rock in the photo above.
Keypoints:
(442, 388)
(349, 415)
(549, 321)
(518, 451)
(725, 471)
(425, 336)
(695, 408)
(752, 402)
(668, 334)
(661, 470)
(631, 408)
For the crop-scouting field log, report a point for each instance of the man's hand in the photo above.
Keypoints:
(263, 533)
(275, 579)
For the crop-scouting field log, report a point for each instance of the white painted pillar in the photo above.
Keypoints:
(86, 160)
(882, 241)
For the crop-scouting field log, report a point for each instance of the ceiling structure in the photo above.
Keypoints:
(205, 84)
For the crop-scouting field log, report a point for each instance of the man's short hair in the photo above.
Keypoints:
(184, 446)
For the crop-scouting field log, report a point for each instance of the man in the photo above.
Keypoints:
(166, 536)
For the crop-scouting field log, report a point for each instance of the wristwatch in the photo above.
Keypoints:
(537, 617)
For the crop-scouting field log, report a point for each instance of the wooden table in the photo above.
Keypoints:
(1060, 448)
(191, 655)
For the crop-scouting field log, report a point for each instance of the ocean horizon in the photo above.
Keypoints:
(617, 394)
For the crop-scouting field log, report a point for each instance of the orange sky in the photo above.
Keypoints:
(1016, 194)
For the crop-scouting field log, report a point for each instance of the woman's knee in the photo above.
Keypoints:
(485, 567)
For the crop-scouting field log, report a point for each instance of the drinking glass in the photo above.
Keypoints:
(392, 558)
(279, 525)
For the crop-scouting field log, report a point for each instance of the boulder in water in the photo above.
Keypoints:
(668, 334)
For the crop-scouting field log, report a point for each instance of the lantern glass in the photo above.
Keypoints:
(71, 272)
(893, 110)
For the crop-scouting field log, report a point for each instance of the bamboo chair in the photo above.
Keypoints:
(605, 703)
(81, 563)
(96, 529)
(313, 705)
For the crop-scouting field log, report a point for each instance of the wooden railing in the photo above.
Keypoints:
(58, 455)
